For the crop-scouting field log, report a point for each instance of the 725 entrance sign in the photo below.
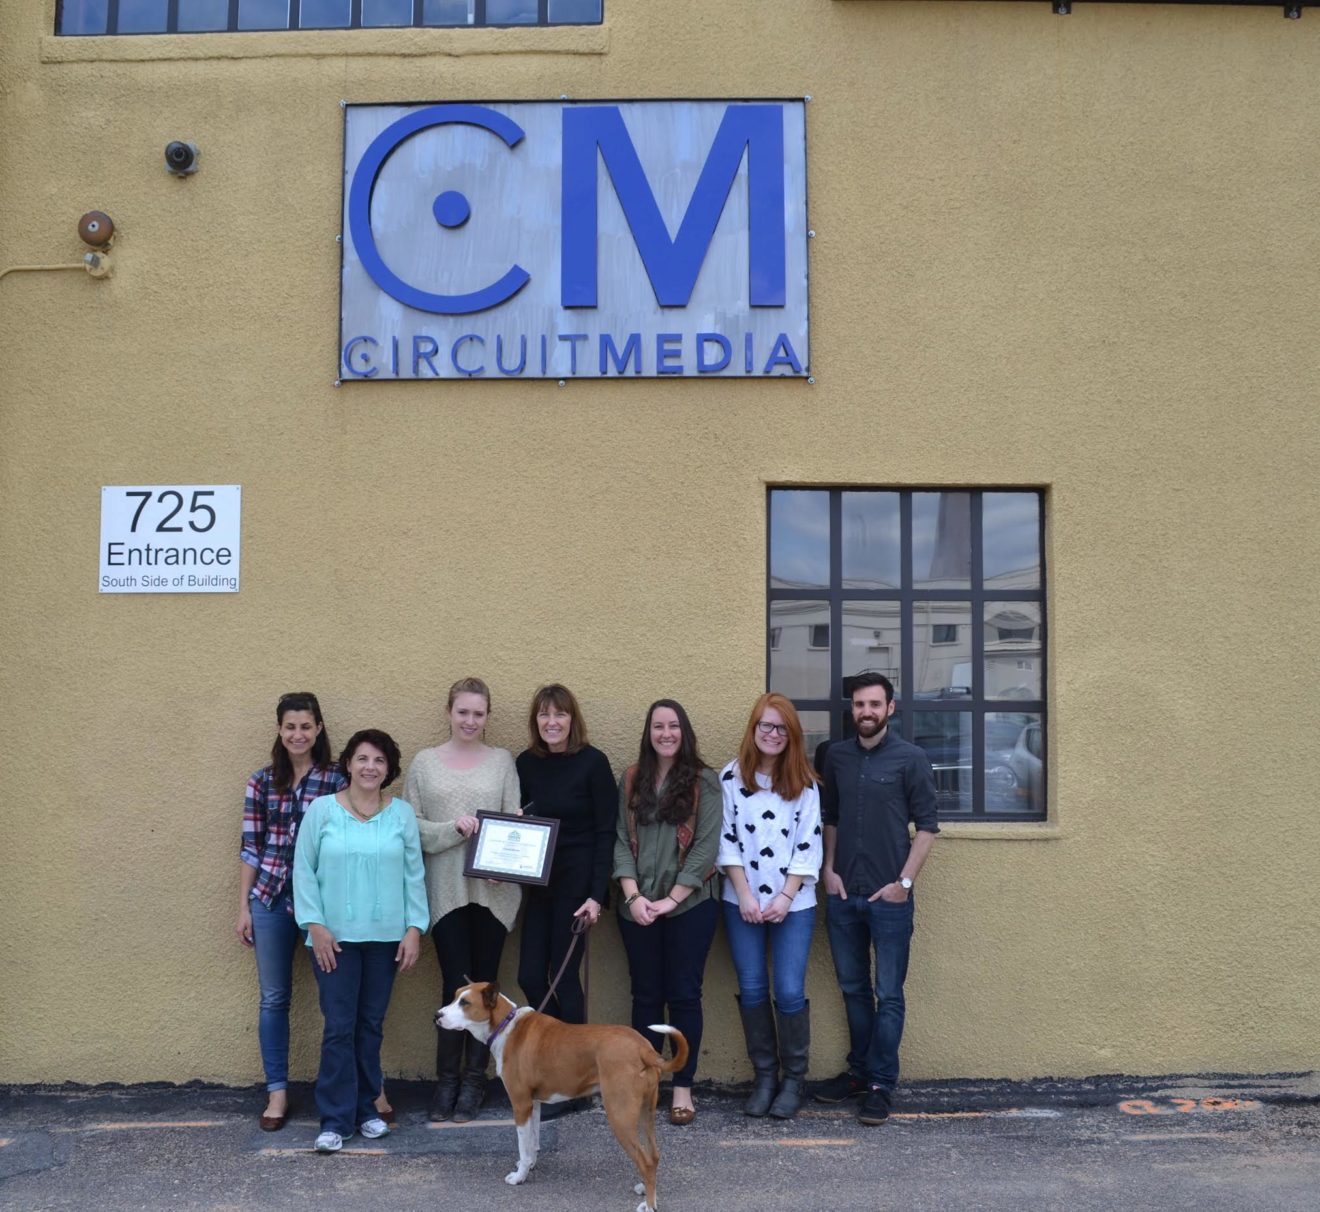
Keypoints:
(173, 538)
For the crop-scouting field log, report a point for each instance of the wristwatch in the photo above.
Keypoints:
(905, 882)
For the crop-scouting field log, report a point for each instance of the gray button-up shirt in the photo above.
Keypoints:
(870, 796)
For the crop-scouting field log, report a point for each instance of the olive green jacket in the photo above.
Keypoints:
(656, 868)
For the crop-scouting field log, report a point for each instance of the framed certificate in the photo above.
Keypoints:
(519, 849)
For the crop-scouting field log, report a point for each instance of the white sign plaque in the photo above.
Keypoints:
(171, 538)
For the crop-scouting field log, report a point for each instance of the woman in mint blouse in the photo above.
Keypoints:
(360, 893)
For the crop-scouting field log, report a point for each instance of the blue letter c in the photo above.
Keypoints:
(364, 185)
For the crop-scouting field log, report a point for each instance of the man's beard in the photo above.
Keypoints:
(870, 726)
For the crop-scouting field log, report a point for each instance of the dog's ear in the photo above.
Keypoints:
(490, 995)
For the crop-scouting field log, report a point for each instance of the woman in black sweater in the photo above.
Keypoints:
(565, 778)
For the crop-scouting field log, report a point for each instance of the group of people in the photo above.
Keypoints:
(332, 862)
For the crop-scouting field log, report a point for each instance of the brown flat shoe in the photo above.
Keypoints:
(682, 1115)
(273, 1123)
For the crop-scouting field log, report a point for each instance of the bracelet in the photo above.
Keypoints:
(629, 899)
(781, 892)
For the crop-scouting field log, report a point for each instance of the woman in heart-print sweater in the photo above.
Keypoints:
(770, 850)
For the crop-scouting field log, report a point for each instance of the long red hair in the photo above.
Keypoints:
(792, 773)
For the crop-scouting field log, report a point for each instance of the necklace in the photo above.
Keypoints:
(363, 817)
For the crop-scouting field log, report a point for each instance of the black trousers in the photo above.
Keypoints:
(547, 934)
(468, 943)
(667, 961)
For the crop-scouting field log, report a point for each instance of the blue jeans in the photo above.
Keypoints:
(857, 928)
(789, 943)
(666, 961)
(275, 939)
(354, 998)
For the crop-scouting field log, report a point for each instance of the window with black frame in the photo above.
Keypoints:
(944, 593)
(93, 17)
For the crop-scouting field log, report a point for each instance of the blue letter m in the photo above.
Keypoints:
(673, 265)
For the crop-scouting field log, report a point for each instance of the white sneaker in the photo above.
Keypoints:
(329, 1142)
(375, 1128)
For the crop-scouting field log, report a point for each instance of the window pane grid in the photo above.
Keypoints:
(983, 779)
(94, 18)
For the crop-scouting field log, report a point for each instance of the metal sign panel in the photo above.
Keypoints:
(574, 240)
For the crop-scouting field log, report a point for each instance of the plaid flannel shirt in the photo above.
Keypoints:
(270, 825)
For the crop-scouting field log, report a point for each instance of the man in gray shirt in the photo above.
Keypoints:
(875, 784)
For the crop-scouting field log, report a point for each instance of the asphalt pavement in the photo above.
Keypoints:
(1199, 1142)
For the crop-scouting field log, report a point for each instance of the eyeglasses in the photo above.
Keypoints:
(766, 728)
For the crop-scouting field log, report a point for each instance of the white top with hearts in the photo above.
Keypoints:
(770, 838)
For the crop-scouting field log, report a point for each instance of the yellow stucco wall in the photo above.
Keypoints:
(1074, 252)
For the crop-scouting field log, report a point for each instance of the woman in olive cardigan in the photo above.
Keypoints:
(670, 808)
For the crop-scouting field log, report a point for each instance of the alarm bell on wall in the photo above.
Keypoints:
(181, 157)
(96, 229)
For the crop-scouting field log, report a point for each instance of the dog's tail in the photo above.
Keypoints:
(679, 1059)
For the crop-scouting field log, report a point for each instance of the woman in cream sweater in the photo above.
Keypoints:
(470, 918)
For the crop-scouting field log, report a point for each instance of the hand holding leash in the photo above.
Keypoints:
(589, 911)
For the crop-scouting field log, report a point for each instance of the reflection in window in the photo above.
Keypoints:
(941, 540)
(448, 12)
(263, 14)
(951, 610)
(142, 16)
(584, 12)
(1010, 540)
(201, 16)
(943, 666)
(946, 736)
(800, 668)
(872, 638)
(815, 729)
(83, 16)
(324, 14)
(511, 12)
(871, 540)
(800, 538)
(1015, 771)
(1012, 635)
(383, 13)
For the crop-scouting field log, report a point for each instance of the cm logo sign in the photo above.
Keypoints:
(553, 239)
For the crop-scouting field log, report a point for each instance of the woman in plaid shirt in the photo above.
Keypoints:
(300, 769)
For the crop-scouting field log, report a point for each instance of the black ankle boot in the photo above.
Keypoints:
(448, 1062)
(472, 1091)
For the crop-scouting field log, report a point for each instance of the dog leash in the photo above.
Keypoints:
(580, 928)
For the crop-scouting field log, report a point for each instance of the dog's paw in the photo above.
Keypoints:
(516, 1177)
(645, 1207)
(639, 1188)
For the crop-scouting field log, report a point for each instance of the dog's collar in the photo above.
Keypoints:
(508, 1018)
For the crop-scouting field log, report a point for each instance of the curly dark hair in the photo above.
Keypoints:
(377, 740)
(674, 806)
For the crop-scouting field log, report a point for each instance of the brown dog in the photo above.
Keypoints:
(541, 1060)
